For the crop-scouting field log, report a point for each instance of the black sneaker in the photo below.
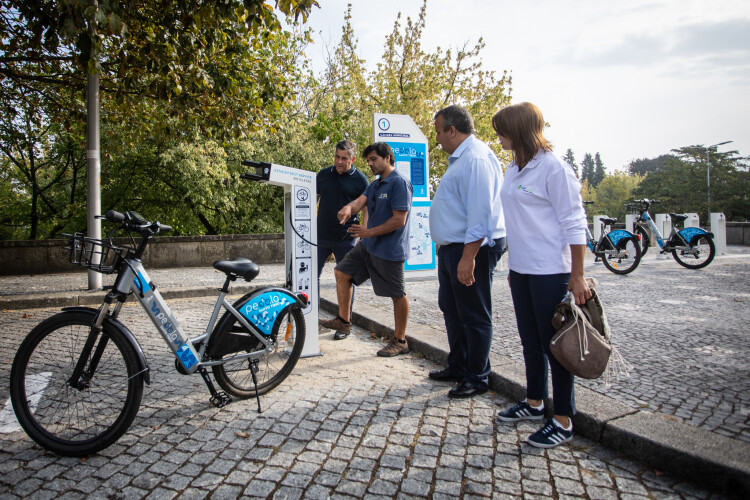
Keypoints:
(521, 411)
(550, 435)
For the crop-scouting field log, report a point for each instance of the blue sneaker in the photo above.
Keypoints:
(550, 435)
(521, 411)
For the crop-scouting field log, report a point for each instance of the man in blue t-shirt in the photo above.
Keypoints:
(383, 246)
(338, 185)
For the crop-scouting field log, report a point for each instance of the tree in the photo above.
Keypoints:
(587, 169)
(599, 172)
(208, 61)
(643, 166)
(177, 71)
(681, 184)
(612, 193)
(407, 80)
(571, 160)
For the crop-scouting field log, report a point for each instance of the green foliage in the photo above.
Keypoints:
(611, 195)
(570, 158)
(407, 80)
(681, 183)
(587, 169)
(645, 166)
(188, 90)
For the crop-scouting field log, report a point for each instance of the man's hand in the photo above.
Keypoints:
(344, 214)
(466, 270)
(358, 230)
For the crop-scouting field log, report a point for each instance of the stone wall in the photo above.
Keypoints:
(48, 256)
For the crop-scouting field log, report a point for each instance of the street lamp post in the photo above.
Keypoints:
(708, 175)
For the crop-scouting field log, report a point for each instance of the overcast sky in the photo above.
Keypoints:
(627, 79)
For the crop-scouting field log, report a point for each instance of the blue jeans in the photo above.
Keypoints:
(339, 249)
(467, 310)
(534, 299)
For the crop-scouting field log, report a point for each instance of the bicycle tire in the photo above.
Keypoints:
(288, 336)
(703, 256)
(645, 239)
(623, 265)
(60, 418)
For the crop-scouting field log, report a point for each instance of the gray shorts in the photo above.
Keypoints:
(387, 276)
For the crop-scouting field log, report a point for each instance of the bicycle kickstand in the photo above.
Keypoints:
(218, 398)
(254, 370)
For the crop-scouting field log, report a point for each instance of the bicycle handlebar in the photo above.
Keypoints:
(133, 221)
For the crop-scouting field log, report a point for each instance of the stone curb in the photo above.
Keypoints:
(666, 445)
(673, 447)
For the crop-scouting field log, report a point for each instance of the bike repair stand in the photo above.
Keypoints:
(300, 237)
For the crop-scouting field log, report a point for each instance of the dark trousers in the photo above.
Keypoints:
(339, 249)
(534, 299)
(467, 310)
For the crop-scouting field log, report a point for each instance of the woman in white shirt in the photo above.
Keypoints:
(546, 238)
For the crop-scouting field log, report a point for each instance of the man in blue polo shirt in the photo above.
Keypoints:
(383, 246)
(338, 185)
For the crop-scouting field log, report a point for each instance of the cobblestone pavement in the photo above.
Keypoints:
(685, 332)
(344, 425)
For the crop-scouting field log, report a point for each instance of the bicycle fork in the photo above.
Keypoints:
(81, 376)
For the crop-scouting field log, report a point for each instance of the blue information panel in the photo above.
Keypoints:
(410, 163)
(421, 246)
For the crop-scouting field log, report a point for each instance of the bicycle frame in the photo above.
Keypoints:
(134, 278)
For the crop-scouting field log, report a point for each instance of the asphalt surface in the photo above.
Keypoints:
(350, 424)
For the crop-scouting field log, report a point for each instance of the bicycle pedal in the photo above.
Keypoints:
(598, 259)
(220, 399)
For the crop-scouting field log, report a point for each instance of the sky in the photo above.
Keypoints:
(628, 80)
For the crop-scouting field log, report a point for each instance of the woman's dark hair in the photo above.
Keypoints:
(524, 125)
(381, 149)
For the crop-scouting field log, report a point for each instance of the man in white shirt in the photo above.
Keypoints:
(467, 224)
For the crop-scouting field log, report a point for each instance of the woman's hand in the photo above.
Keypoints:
(580, 289)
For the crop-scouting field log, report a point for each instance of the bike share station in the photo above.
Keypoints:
(300, 237)
(410, 149)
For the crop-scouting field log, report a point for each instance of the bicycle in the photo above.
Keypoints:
(691, 247)
(619, 250)
(76, 382)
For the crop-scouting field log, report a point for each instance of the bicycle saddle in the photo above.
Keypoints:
(678, 217)
(238, 268)
(608, 220)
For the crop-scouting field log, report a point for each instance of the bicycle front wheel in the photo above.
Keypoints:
(697, 255)
(625, 258)
(235, 377)
(645, 239)
(75, 421)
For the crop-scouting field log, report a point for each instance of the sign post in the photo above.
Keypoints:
(300, 237)
(410, 149)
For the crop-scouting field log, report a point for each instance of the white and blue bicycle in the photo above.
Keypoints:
(619, 250)
(691, 247)
(77, 379)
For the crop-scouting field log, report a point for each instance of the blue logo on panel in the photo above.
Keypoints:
(263, 310)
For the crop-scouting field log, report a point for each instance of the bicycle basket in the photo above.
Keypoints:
(98, 255)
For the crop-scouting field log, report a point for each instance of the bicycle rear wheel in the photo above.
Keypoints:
(235, 377)
(645, 239)
(75, 421)
(625, 258)
(697, 255)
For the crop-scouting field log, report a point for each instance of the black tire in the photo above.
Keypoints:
(645, 239)
(625, 259)
(699, 254)
(235, 377)
(62, 419)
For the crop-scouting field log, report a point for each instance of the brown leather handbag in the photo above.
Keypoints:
(582, 342)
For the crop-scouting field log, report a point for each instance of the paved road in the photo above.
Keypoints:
(685, 332)
(344, 425)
